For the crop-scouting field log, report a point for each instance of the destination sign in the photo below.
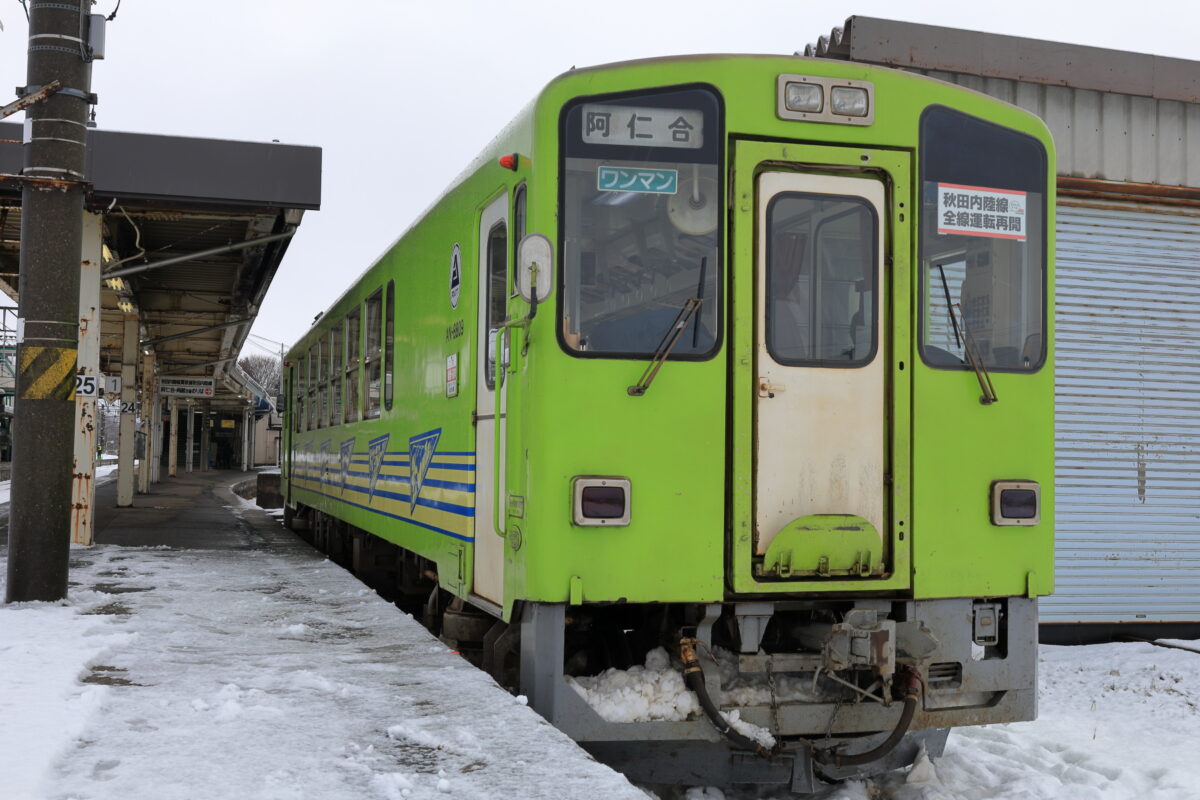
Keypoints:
(185, 387)
(643, 127)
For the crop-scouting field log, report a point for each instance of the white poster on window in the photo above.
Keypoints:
(980, 211)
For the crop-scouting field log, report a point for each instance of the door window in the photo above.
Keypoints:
(821, 280)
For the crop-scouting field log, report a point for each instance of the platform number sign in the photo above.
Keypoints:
(87, 386)
(455, 275)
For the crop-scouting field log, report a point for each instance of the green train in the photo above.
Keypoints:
(743, 357)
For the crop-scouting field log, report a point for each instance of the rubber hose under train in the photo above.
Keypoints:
(908, 686)
(693, 678)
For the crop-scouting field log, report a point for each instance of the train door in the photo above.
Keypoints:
(821, 443)
(489, 403)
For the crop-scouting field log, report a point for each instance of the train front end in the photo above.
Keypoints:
(786, 413)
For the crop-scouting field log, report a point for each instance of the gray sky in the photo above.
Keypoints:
(402, 94)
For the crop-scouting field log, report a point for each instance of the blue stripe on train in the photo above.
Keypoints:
(453, 508)
(433, 528)
(451, 485)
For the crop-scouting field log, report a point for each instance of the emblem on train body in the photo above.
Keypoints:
(376, 450)
(325, 461)
(346, 454)
(420, 455)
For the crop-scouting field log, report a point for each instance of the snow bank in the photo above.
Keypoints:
(656, 692)
(653, 692)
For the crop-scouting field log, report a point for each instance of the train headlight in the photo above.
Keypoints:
(600, 501)
(849, 100)
(1016, 503)
(813, 98)
(807, 97)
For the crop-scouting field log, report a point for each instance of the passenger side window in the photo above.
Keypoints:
(389, 344)
(335, 375)
(373, 355)
(352, 360)
(314, 399)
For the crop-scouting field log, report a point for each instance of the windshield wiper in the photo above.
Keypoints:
(666, 345)
(976, 358)
(950, 306)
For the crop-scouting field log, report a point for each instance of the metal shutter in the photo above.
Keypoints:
(1127, 414)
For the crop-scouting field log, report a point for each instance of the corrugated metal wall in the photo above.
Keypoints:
(1127, 414)
(1114, 137)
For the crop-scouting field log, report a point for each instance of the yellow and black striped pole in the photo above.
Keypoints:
(52, 205)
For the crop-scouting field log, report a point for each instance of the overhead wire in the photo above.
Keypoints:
(137, 241)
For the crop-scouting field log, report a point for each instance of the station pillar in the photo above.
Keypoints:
(204, 421)
(253, 436)
(148, 415)
(173, 445)
(156, 428)
(83, 485)
(191, 436)
(128, 435)
(245, 442)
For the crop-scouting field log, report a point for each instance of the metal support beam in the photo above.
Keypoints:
(245, 437)
(33, 97)
(194, 331)
(83, 489)
(44, 422)
(215, 251)
(128, 435)
(173, 448)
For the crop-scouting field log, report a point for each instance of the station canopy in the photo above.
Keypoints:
(191, 242)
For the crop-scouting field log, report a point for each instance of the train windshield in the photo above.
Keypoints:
(983, 245)
(641, 223)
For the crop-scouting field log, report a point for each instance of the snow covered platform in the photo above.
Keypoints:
(206, 652)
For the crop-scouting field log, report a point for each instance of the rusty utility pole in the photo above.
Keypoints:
(48, 334)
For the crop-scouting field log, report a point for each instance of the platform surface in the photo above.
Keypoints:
(207, 652)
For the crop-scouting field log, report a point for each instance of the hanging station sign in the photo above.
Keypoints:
(185, 387)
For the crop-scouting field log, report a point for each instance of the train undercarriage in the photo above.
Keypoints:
(818, 690)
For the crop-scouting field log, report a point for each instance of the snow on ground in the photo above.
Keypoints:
(104, 473)
(256, 674)
(270, 674)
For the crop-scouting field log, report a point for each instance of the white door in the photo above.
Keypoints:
(493, 297)
(820, 427)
